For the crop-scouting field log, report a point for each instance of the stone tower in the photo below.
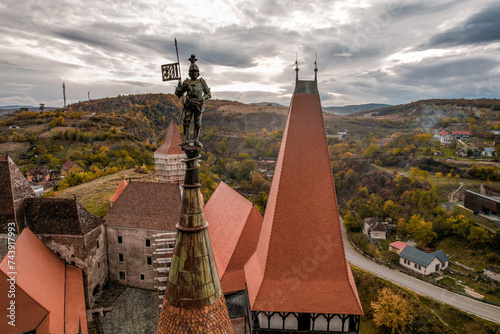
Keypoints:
(168, 157)
(298, 279)
(193, 301)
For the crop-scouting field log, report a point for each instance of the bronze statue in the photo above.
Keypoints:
(197, 92)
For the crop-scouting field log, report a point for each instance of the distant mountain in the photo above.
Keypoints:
(347, 110)
(16, 107)
(269, 104)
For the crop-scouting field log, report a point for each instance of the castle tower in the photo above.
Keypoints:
(193, 301)
(298, 279)
(169, 155)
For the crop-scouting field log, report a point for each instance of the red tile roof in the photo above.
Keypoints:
(67, 165)
(234, 229)
(46, 285)
(118, 191)
(14, 189)
(460, 132)
(148, 205)
(398, 245)
(300, 264)
(443, 133)
(210, 319)
(171, 142)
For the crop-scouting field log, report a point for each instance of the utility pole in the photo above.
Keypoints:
(64, 94)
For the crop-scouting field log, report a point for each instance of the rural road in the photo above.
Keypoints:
(466, 304)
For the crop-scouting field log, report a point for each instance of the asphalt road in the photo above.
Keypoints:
(469, 305)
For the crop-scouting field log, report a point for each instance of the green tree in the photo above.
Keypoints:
(420, 230)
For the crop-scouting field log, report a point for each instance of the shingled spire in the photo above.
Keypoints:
(168, 157)
(193, 301)
(298, 278)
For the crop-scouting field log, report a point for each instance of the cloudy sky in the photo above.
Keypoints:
(368, 50)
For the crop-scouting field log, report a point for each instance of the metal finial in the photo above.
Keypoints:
(316, 68)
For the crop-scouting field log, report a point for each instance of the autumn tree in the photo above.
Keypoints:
(392, 310)
(420, 230)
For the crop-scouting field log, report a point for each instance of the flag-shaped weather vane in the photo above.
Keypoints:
(172, 71)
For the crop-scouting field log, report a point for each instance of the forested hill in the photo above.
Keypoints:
(417, 108)
(350, 109)
(155, 110)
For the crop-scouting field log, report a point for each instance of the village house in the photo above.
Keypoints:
(49, 293)
(444, 137)
(397, 246)
(37, 175)
(481, 203)
(374, 229)
(489, 152)
(70, 168)
(142, 210)
(422, 262)
(460, 134)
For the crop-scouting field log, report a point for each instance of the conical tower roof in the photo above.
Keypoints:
(171, 142)
(300, 264)
(193, 301)
(15, 189)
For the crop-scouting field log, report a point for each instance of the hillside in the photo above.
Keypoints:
(351, 109)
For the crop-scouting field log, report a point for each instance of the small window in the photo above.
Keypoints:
(122, 275)
(120, 257)
(149, 260)
(142, 277)
(97, 243)
(416, 266)
(98, 265)
(148, 242)
(120, 240)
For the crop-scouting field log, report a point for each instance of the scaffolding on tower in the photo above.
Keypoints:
(163, 247)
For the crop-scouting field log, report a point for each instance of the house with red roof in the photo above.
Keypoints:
(397, 246)
(46, 295)
(168, 157)
(298, 279)
(460, 134)
(71, 167)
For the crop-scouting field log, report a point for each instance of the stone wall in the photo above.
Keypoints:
(133, 261)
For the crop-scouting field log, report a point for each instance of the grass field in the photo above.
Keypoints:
(94, 195)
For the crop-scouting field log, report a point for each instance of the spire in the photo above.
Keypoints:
(193, 301)
(299, 264)
(296, 68)
(171, 142)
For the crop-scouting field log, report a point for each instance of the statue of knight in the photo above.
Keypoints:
(197, 92)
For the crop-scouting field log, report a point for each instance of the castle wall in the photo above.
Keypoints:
(135, 253)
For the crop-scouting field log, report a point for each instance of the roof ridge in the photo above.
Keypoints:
(281, 157)
(239, 238)
(78, 217)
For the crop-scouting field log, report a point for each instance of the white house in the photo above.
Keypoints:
(374, 229)
(488, 152)
(422, 262)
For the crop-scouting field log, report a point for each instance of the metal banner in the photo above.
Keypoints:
(171, 72)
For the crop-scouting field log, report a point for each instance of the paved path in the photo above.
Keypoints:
(469, 305)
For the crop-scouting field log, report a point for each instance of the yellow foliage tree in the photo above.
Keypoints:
(392, 310)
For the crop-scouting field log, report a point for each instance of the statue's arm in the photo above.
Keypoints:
(181, 88)
(206, 89)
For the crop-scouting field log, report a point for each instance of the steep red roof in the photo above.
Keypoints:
(51, 292)
(14, 189)
(67, 165)
(234, 229)
(300, 264)
(171, 142)
(150, 205)
(118, 191)
(443, 133)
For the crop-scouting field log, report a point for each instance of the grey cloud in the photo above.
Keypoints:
(483, 27)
